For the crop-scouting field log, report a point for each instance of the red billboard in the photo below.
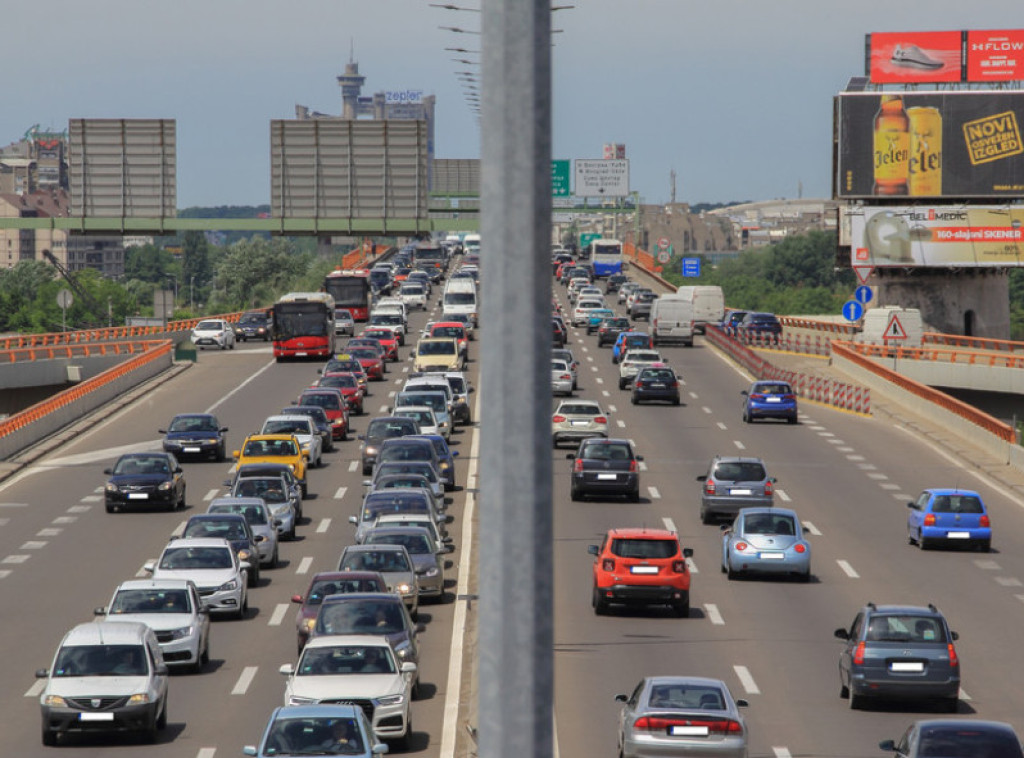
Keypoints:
(995, 56)
(915, 57)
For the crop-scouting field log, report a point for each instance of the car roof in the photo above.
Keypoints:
(106, 633)
(953, 491)
(238, 501)
(198, 542)
(155, 584)
(769, 511)
(736, 459)
(344, 640)
(634, 533)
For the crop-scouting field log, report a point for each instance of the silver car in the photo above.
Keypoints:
(681, 716)
(422, 548)
(261, 521)
(392, 562)
(633, 361)
(565, 354)
(766, 541)
(733, 483)
(576, 420)
(561, 378)
(213, 565)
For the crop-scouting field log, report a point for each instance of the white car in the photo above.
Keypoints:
(561, 378)
(172, 609)
(581, 312)
(423, 415)
(414, 295)
(305, 432)
(213, 332)
(343, 322)
(633, 361)
(360, 668)
(213, 565)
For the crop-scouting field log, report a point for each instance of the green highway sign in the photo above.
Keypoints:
(560, 179)
(586, 238)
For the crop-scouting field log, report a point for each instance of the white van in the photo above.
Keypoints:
(708, 304)
(672, 320)
(471, 244)
(892, 325)
(460, 296)
(107, 676)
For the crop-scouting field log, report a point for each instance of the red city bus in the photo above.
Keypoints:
(350, 289)
(303, 325)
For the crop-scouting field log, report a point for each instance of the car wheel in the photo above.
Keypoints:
(111, 508)
(254, 575)
(634, 496)
(985, 546)
(220, 455)
(806, 576)
(634, 399)
(291, 532)
(924, 544)
(304, 490)
(746, 417)
(204, 657)
(732, 574)
(952, 705)
(682, 606)
(705, 517)
(855, 702)
(675, 401)
(224, 346)
(599, 603)
(622, 384)
(574, 494)
(844, 691)
(181, 503)
(273, 559)
(49, 738)
(231, 346)
(244, 610)
(791, 420)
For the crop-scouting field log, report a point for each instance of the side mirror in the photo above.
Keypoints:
(728, 527)
(420, 629)
(570, 456)
(149, 567)
(593, 549)
(954, 635)
(287, 669)
(101, 611)
(841, 634)
(912, 505)
(408, 667)
(741, 703)
(702, 478)
(638, 457)
(234, 453)
(621, 698)
(353, 520)
(224, 429)
(745, 393)
(244, 565)
(455, 453)
(108, 471)
(42, 673)
(687, 552)
(178, 470)
(888, 745)
(257, 538)
(161, 431)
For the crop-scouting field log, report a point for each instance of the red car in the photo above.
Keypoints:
(387, 339)
(333, 403)
(370, 360)
(343, 362)
(328, 583)
(641, 567)
(348, 385)
(363, 340)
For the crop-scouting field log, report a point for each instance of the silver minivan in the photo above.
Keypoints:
(672, 320)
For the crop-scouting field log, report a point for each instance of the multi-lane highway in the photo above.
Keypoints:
(848, 477)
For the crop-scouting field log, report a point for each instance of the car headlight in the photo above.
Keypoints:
(444, 464)
(432, 571)
(139, 698)
(280, 509)
(182, 633)
(164, 486)
(371, 451)
(391, 700)
(295, 700)
(404, 651)
(403, 589)
(55, 701)
(210, 441)
(111, 487)
(231, 585)
(244, 555)
(309, 624)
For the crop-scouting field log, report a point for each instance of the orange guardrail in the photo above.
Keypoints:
(79, 350)
(946, 355)
(980, 343)
(859, 354)
(69, 396)
(818, 325)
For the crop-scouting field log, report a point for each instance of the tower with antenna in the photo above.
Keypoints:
(351, 84)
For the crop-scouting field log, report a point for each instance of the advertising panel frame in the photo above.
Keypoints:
(914, 57)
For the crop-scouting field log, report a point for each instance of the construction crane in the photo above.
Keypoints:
(88, 300)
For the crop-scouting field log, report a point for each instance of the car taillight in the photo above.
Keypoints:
(665, 724)
(953, 659)
(603, 420)
(757, 396)
(679, 567)
(929, 520)
(558, 419)
(608, 564)
(566, 376)
(709, 487)
(768, 489)
(983, 521)
(741, 546)
(789, 397)
(632, 465)
(858, 653)
(578, 465)
(674, 384)
(800, 547)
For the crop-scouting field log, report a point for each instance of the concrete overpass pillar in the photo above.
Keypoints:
(973, 302)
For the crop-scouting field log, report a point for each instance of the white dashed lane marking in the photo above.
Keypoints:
(340, 493)
(91, 499)
(713, 614)
(670, 525)
(879, 476)
(606, 393)
(278, 615)
(79, 509)
(848, 569)
(323, 526)
(244, 680)
(612, 409)
(783, 496)
(721, 426)
(693, 395)
(782, 752)
(653, 492)
(987, 565)
(210, 495)
(621, 423)
(743, 674)
(1008, 581)
(16, 559)
(34, 545)
(48, 532)
(36, 689)
(304, 565)
(739, 445)
(812, 529)
(707, 410)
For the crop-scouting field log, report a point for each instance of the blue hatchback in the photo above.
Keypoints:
(769, 399)
(629, 341)
(949, 517)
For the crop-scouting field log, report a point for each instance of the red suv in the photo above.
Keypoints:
(641, 567)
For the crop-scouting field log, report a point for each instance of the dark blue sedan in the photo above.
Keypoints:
(444, 454)
(198, 434)
(949, 517)
(769, 399)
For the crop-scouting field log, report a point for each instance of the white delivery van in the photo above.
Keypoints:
(460, 297)
(892, 325)
(672, 320)
(471, 244)
(708, 304)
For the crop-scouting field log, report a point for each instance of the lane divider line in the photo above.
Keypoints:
(713, 614)
(304, 565)
(323, 526)
(848, 569)
(244, 680)
(278, 615)
(812, 529)
(743, 674)
(670, 525)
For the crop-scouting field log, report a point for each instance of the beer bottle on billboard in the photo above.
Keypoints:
(891, 147)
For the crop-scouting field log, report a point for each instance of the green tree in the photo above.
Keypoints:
(255, 272)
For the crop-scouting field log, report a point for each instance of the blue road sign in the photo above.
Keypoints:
(863, 294)
(691, 266)
(852, 310)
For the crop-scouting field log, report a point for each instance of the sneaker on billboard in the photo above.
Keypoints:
(915, 57)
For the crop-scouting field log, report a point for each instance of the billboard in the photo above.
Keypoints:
(614, 151)
(915, 57)
(995, 56)
(935, 144)
(937, 236)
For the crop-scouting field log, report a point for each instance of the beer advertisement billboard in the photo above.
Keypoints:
(995, 56)
(915, 57)
(937, 236)
(930, 145)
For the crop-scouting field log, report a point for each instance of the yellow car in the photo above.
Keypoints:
(437, 354)
(274, 448)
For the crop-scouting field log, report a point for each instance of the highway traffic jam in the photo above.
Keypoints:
(278, 562)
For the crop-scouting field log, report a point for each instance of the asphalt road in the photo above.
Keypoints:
(62, 555)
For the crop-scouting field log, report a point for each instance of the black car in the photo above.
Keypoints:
(605, 467)
(235, 529)
(655, 383)
(319, 416)
(614, 282)
(610, 329)
(380, 429)
(253, 325)
(642, 305)
(756, 324)
(942, 737)
(198, 434)
(145, 479)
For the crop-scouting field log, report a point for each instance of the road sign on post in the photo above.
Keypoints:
(664, 243)
(691, 267)
(560, 178)
(586, 238)
(852, 310)
(863, 294)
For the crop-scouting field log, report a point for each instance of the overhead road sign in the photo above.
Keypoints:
(601, 178)
(560, 178)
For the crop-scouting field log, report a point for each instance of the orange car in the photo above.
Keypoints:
(641, 567)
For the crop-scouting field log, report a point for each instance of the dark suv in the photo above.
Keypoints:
(380, 429)
(899, 651)
(605, 467)
(254, 325)
(732, 483)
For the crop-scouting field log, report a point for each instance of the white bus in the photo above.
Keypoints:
(606, 257)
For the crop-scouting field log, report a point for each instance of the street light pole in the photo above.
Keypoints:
(191, 297)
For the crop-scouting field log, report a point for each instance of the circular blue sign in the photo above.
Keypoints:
(863, 294)
(852, 310)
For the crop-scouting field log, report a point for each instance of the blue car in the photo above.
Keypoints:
(195, 434)
(596, 316)
(949, 517)
(317, 730)
(630, 341)
(769, 399)
(766, 541)
(445, 455)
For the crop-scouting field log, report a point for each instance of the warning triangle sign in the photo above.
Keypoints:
(894, 329)
(863, 273)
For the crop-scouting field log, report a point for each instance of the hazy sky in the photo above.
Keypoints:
(735, 95)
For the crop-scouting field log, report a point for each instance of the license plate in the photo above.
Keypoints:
(604, 477)
(658, 385)
(688, 731)
(773, 399)
(579, 423)
(95, 716)
(909, 666)
(190, 449)
(643, 569)
(958, 535)
(771, 556)
(741, 492)
(138, 496)
(298, 354)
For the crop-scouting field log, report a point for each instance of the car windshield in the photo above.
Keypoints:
(193, 424)
(314, 736)
(178, 558)
(769, 523)
(773, 389)
(423, 468)
(657, 374)
(644, 548)
(255, 515)
(322, 399)
(379, 334)
(606, 452)
(364, 352)
(208, 326)
(459, 298)
(374, 507)
(325, 587)
(228, 530)
(456, 332)
(442, 347)
(739, 471)
(361, 617)
(686, 696)
(437, 402)
(150, 601)
(344, 381)
(269, 488)
(637, 340)
(905, 628)
(406, 452)
(348, 659)
(286, 426)
(384, 561)
(270, 448)
(579, 409)
(101, 660)
(383, 428)
(423, 418)
(957, 504)
(142, 466)
(415, 544)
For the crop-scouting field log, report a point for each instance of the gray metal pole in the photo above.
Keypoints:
(516, 674)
